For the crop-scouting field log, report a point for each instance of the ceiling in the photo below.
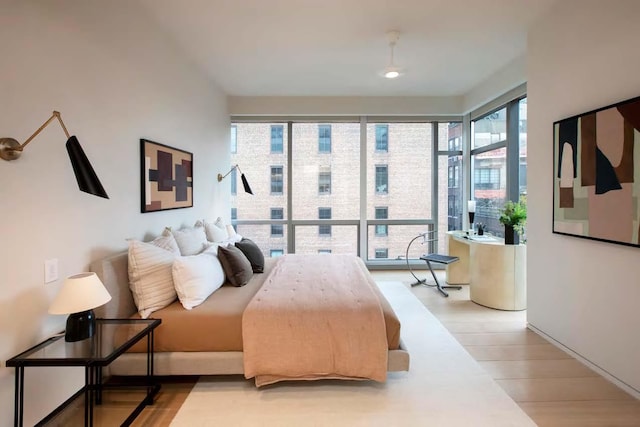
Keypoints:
(340, 47)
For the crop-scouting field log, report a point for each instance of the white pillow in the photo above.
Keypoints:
(214, 232)
(191, 241)
(150, 278)
(196, 277)
(232, 236)
(168, 242)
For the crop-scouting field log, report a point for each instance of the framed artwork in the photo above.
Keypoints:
(166, 177)
(596, 175)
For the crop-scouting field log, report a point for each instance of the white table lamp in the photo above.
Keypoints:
(79, 295)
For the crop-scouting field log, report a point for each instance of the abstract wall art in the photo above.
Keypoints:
(596, 188)
(166, 177)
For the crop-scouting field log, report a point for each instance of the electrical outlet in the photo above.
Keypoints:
(50, 270)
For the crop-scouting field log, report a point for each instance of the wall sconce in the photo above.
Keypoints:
(79, 295)
(88, 181)
(245, 184)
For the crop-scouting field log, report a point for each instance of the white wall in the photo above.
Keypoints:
(345, 105)
(116, 79)
(584, 294)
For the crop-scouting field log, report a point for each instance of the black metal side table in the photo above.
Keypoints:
(112, 338)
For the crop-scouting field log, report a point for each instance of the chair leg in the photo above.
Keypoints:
(440, 287)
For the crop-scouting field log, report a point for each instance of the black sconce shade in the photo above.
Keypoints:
(85, 175)
(245, 184)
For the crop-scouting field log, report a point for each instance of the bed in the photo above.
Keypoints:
(208, 340)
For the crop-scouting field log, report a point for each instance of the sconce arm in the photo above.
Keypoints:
(10, 149)
(221, 177)
(55, 115)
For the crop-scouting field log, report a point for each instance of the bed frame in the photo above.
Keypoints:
(114, 274)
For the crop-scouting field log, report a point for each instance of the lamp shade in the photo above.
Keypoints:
(85, 175)
(80, 292)
(471, 206)
(245, 184)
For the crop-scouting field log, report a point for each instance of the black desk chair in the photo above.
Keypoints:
(429, 258)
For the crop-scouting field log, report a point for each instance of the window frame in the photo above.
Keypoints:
(386, 176)
(272, 182)
(382, 147)
(324, 141)
(278, 147)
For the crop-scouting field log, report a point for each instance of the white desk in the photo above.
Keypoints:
(496, 273)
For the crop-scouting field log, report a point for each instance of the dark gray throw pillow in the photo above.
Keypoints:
(236, 266)
(253, 254)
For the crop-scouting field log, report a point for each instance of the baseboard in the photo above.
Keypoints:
(626, 387)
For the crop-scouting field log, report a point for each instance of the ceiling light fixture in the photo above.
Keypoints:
(391, 72)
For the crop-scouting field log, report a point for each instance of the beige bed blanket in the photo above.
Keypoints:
(315, 317)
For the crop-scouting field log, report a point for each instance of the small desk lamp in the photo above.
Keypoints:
(471, 207)
(79, 295)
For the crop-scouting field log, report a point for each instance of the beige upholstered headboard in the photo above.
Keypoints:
(115, 276)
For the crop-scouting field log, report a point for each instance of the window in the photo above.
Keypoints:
(234, 139)
(234, 216)
(454, 144)
(382, 229)
(324, 213)
(324, 181)
(382, 253)
(276, 180)
(382, 179)
(486, 178)
(324, 251)
(277, 229)
(382, 137)
(324, 138)
(234, 182)
(277, 132)
(498, 161)
(276, 253)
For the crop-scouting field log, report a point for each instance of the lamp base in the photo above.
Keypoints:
(9, 149)
(80, 326)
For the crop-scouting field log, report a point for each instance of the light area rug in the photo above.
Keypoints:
(444, 386)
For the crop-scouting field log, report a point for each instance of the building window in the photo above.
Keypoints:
(276, 138)
(455, 144)
(324, 181)
(454, 176)
(234, 139)
(382, 137)
(276, 179)
(382, 229)
(276, 253)
(277, 229)
(234, 182)
(487, 178)
(324, 251)
(324, 138)
(382, 253)
(324, 213)
(382, 179)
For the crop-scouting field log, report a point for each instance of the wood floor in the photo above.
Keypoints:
(554, 389)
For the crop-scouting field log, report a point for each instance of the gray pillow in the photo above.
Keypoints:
(236, 266)
(253, 254)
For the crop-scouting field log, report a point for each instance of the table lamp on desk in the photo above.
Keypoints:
(471, 208)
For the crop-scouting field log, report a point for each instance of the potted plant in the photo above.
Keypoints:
(513, 216)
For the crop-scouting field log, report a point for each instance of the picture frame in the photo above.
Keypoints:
(596, 176)
(166, 177)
